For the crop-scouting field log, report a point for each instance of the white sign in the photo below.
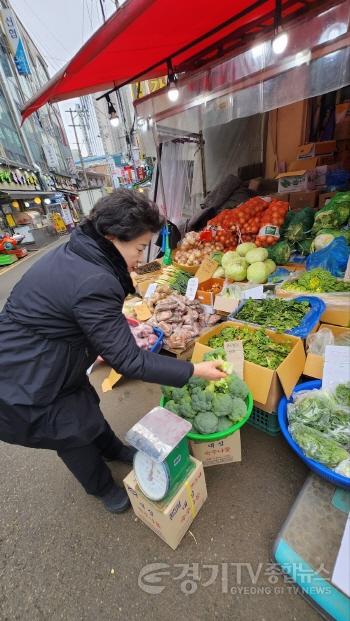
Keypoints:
(336, 366)
(341, 572)
(255, 293)
(235, 355)
(151, 289)
(51, 157)
(192, 287)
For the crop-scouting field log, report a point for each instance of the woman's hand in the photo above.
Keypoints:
(210, 371)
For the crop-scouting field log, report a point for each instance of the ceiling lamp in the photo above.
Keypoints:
(47, 201)
(15, 204)
(280, 41)
(37, 200)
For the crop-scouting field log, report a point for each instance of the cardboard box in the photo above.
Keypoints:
(297, 181)
(342, 121)
(266, 385)
(314, 363)
(204, 295)
(299, 200)
(313, 149)
(170, 519)
(278, 196)
(308, 164)
(225, 451)
(325, 198)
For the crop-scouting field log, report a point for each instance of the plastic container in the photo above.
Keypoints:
(159, 333)
(320, 469)
(310, 321)
(265, 421)
(219, 435)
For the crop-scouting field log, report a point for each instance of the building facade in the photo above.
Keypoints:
(35, 159)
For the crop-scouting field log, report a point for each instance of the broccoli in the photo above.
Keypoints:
(239, 410)
(172, 406)
(222, 405)
(218, 386)
(178, 393)
(185, 407)
(196, 382)
(167, 392)
(224, 423)
(201, 400)
(216, 354)
(206, 422)
(237, 387)
(188, 420)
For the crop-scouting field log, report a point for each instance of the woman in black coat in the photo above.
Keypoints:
(65, 311)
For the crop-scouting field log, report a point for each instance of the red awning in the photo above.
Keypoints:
(137, 40)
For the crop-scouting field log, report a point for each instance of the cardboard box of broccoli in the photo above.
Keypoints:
(216, 411)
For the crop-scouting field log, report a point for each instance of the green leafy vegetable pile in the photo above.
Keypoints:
(274, 313)
(319, 422)
(210, 406)
(258, 347)
(318, 281)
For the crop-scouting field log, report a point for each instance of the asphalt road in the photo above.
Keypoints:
(62, 556)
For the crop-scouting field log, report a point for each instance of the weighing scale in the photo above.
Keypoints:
(163, 461)
(307, 546)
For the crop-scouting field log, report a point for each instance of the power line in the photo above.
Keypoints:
(45, 25)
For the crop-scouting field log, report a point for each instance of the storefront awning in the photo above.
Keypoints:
(142, 35)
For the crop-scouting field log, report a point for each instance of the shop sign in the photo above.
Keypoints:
(51, 157)
(15, 41)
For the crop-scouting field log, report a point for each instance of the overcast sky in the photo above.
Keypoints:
(59, 28)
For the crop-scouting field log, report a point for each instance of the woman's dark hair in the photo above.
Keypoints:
(125, 214)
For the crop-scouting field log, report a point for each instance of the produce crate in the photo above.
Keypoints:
(264, 421)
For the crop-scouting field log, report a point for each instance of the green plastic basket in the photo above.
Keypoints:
(219, 435)
(264, 421)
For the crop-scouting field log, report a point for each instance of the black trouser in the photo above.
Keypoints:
(87, 465)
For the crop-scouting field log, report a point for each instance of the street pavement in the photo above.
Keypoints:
(62, 556)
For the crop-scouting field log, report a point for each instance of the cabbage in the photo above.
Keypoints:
(270, 266)
(259, 254)
(242, 249)
(227, 258)
(257, 272)
(219, 273)
(236, 271)
(321, 241)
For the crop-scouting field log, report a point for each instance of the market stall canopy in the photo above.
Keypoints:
(141, 36)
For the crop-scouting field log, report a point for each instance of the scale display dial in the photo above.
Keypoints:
(152, 477)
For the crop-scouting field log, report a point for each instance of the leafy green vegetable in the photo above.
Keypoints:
(300, 224)
(335, 214)
(342, 394)
(280, 252)
(258, 347)
(317, 281)
(274, 313)
(317, 446)
(206, 423)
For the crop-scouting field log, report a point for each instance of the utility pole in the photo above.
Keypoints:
(71, 112)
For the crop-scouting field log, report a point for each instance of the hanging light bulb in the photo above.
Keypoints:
(280, 43)
(114, 120)
(173, 92)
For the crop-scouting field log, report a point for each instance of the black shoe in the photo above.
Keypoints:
(117, 500)
(125, 455)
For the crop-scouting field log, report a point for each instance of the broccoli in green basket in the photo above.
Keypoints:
(237, 387)
(239, 410)
(224, 423)
(222, 404)
(201, 400)
(206, 422)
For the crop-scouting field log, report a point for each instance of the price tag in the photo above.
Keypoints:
(150, 290)
(235, 355)
(347, 271)
(142, 311)
(255, 293)
(206, 270)
(192, 287)
(336, 366)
